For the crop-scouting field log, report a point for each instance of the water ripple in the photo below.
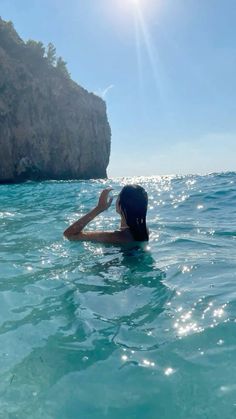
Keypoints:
(136, 328)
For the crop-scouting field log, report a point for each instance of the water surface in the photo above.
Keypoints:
(94, 331)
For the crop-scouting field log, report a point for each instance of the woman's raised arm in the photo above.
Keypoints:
(75, 231)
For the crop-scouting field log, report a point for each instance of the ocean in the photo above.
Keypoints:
(94, 331)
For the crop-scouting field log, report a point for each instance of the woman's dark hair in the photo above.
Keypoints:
(133, 200)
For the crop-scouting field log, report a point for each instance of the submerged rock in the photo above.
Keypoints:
(50, 128)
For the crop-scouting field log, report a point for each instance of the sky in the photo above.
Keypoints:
(166, 69)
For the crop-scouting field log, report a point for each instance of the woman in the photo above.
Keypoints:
(131, 204)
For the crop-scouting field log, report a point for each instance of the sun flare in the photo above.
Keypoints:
(136, 3)
(137, 18)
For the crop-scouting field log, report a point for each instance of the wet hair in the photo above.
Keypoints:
(133, 200)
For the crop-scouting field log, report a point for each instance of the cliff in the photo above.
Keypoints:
(50, 128)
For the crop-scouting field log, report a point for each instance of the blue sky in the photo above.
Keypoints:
(166, 68)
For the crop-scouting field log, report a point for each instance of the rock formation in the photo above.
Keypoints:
(50, 128)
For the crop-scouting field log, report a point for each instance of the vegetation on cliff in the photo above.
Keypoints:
(35, 48)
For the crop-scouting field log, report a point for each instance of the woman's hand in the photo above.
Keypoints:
(104, 201)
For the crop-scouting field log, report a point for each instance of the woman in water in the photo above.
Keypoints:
(131, 205)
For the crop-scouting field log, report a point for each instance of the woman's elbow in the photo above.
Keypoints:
(72, 237)
(66, 234)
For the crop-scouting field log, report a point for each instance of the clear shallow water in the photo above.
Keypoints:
(94, 331)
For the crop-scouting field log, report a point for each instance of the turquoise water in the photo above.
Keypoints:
(94, 331)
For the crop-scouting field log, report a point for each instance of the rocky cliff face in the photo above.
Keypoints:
(50, 128)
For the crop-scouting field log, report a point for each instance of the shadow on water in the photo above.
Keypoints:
(122, 268)
(124, 286)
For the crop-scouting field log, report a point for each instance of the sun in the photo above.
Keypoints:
(136, 3)
(126, 12)
(142, 5)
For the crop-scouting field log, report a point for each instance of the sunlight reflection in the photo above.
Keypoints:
(218, 313)
(147, 363)
(209, 316)
(169, 371)
(186, 269)
(6, 214)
